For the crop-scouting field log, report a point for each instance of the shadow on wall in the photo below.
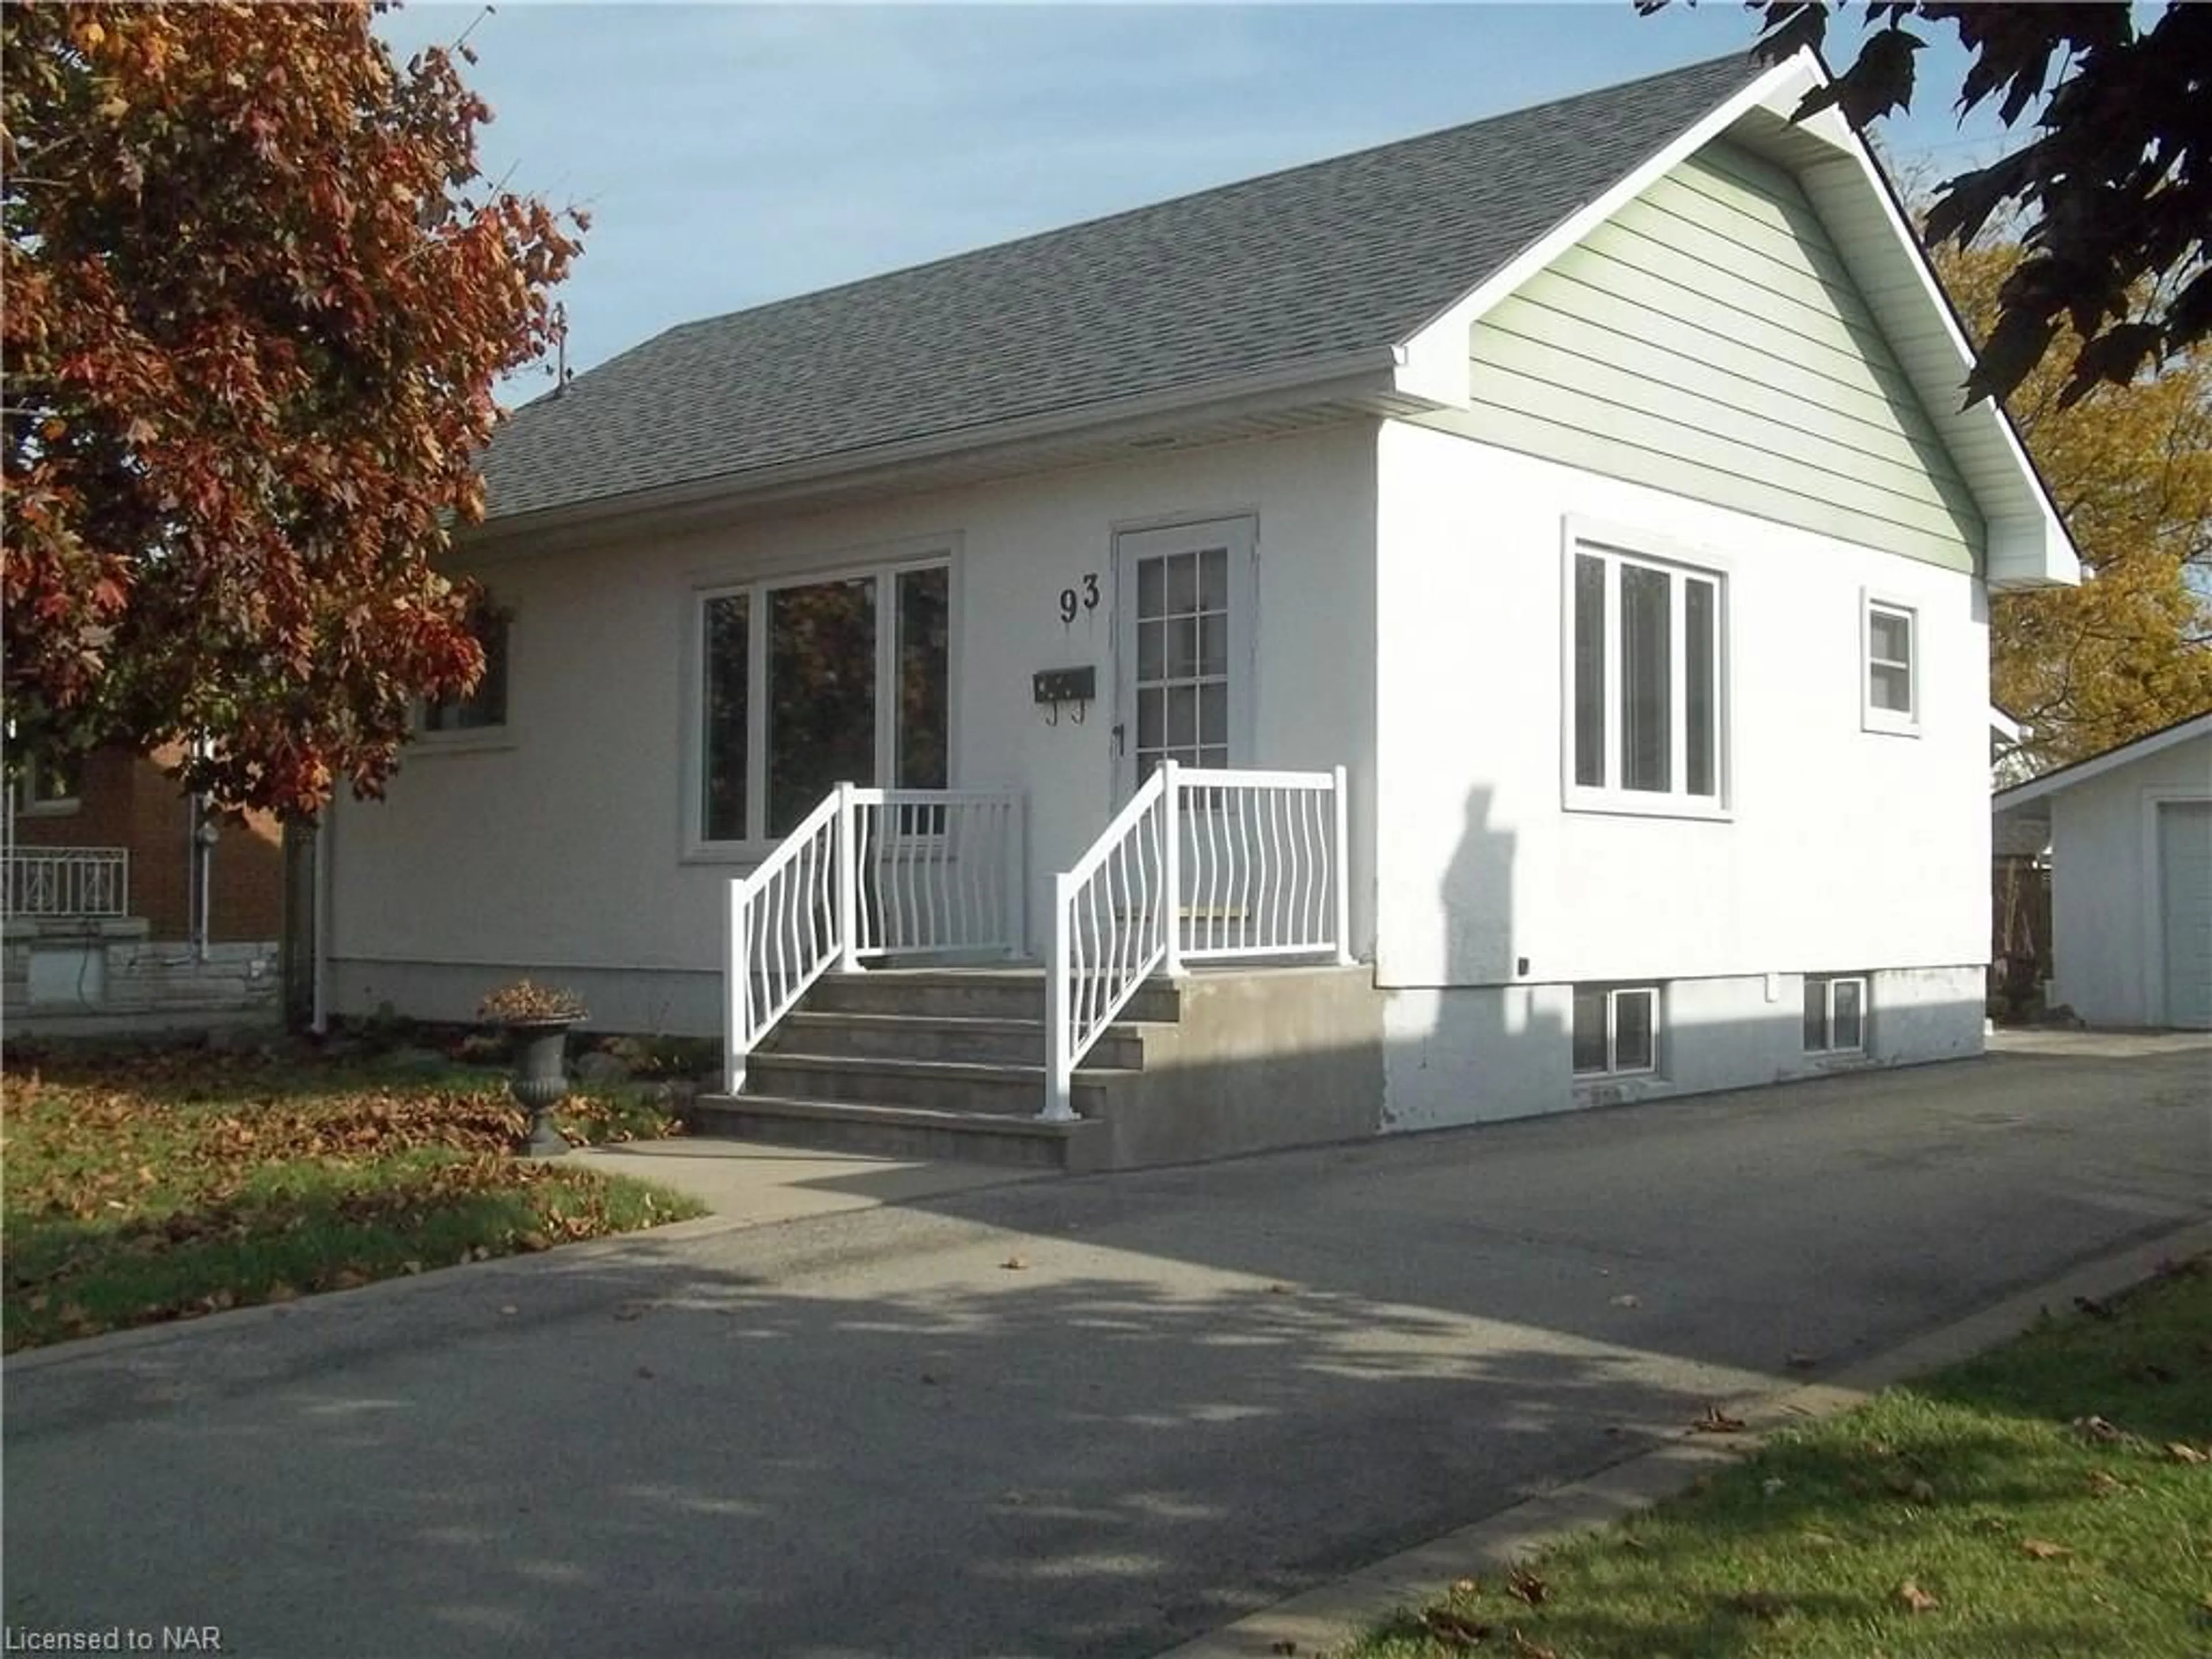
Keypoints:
(1496, 1043)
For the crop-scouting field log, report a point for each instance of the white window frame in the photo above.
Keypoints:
(1612, 994)
(1617, 547)
(1905, 722)
(756, 844)
(1828, 984)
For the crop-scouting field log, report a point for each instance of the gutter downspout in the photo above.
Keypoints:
(319, 847)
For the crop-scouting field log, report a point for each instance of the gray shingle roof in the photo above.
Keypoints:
(1298, 266)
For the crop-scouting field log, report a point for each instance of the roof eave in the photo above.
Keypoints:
(2083, 771)
(1371, 375)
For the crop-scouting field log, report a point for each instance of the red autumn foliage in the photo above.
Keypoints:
(258, 298)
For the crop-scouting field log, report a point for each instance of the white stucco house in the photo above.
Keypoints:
(2129, 836)
(1486, 624)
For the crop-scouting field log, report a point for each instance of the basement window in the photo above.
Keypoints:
(1835, 1013)
(1616, 1030)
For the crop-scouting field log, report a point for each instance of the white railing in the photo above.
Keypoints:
(1202, 865)
(939, 871)
(869, 873)
(69, 881)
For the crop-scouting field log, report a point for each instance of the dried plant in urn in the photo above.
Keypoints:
(537, 1018)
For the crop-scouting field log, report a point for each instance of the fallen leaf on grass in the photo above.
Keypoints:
(2095, 1428)
(1760, 1604)
(1820, 1541)
(2042, 1549)
(1716, 1421)
(2103, 1483)
(1465, 1587)
(1455, 1630)
(1527, 1586)
(1915, 1598)
(1523, 1647)
(2182, 1452)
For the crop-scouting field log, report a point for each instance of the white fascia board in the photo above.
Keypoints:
(1435, 357)
(2096, 766)
(2003, 724)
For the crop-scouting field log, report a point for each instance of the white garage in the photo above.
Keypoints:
(2130, 838)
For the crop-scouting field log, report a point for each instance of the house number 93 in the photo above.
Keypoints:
(1083, 597)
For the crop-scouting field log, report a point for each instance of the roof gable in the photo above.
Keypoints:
(1294, 270)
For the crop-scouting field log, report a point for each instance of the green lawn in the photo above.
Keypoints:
(2051, 1497)
(148, 1185)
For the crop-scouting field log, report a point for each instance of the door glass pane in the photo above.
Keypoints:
(1816, 1014)
(1634, 1017)
(1182, 718)
(1152, 588)
(1213, 579)
(1182, 584)
(1214, 714)
(1213, 644)
(728, 650)
(1150, 650)
(1589, 1031)
(1590, 671)
(924, 657)
(1181, 648)
(1851, 1013)
(1646, 680)
(1151, 717)
(1700, 687)
(821, 694)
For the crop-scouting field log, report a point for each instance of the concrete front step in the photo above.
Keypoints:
(938, 1085)
(941, 1038)
(1016, 994)
(904, 1132)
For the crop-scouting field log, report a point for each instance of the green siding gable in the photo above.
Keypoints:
(1707, 340)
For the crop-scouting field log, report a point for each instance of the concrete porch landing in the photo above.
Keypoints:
(949, 1063)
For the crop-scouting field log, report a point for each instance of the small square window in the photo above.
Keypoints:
(1616, 1030)
(1835, 1013)
(486, 706)
(1890, 698)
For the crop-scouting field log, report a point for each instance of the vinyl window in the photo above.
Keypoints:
(1616, 1030)
(1647, 725)
(1890, 648)
(1835, 1013)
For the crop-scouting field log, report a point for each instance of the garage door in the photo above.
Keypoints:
(2185, 861)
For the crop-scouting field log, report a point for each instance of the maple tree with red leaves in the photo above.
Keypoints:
(258, 300)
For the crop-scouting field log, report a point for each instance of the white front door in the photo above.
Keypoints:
(1183, 636)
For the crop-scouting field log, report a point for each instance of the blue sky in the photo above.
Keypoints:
(734, 155)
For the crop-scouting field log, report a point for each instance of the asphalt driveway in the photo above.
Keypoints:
(1066, 1418)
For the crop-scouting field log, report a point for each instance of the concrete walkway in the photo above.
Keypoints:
(1057, 1417)
(749, 1186)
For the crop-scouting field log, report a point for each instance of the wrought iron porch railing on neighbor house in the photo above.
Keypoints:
(869, 875)
(1201, 864)
(91, 883)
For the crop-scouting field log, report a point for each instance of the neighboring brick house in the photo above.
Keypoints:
(122, 895)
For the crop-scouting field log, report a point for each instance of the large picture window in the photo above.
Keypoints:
(806, 684)
(1645, 719)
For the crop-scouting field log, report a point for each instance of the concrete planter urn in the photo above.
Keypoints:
(537, 1023)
